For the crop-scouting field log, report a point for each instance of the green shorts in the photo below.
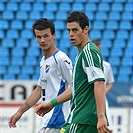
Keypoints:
(78, 128)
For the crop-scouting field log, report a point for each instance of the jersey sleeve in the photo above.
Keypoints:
(92, 65)
(65, 66)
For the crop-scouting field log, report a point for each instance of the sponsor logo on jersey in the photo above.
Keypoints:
(68, 62)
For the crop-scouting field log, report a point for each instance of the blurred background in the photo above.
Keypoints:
(111, 21)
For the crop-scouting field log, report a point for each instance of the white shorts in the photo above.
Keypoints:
(49, 130)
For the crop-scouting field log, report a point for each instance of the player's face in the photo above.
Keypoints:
(44, 38)
(76, 33)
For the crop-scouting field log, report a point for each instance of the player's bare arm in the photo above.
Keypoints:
(32, 100)
(99, 93)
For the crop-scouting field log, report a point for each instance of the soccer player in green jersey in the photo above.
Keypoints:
(88, 113)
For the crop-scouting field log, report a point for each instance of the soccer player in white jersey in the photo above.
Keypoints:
(55, 78)
(109, 80)
(88, 112)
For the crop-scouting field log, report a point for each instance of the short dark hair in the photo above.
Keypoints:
(42, 24)
(79, 17)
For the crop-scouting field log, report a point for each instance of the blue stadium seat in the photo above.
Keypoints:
(101, 15)
(23, 77)
(27, 70)
(108, 34)
(61, 15)
(127, 15)
(2, 34)
(73, 54)
(65, 34)
(18, 52)
(33, 52)
(125, 25)
(22, 15)
(114, 16)
(98, 25)
(16, 24)
(129, 6)
(35, 76)
(129, 43)
(4, 61)
(115, 70)
(17, 61)
(8, 43)
(22, 43)
(90, 7)
(4, 24)
(118, 7)
(58, 34)
(125, 70)
(94, 1)
(104, 7)
(112, 25)
(90, 15)
(51, 6)
(106, 43)
(28, 24)
(26, 33)
(82, 1)
(2, 6)
(119, 43)
(116, 52)
(13, 69)
(127, 61)
(4, 52)
(120, 1)
(9, 77)
(34, 43)
(68, 1)
(31, 61)
(12, 6)
(105, 52)
(95, 34)
(114, 61)
(59, 25)
(2, 70)
(64, 43)
(108, 1)
(128, 52)
(38, 6)
(30, 1)
(123, 78)
(34, 15)
(77, 6)
(8, 15)
(12, 33)
(16, 1)
(64, 6)
(48, 14)
(25, 6)
(122, 34)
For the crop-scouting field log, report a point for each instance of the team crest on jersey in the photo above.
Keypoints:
(93, 73)
(47, 68)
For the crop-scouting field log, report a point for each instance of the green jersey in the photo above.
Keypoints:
(88, 69)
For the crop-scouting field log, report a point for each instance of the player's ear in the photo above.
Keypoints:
(86, 30)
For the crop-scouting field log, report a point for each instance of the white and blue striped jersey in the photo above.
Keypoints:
(55, 78)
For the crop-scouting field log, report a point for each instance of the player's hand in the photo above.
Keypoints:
(43, 108)
(13, 119)
(102, 125)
